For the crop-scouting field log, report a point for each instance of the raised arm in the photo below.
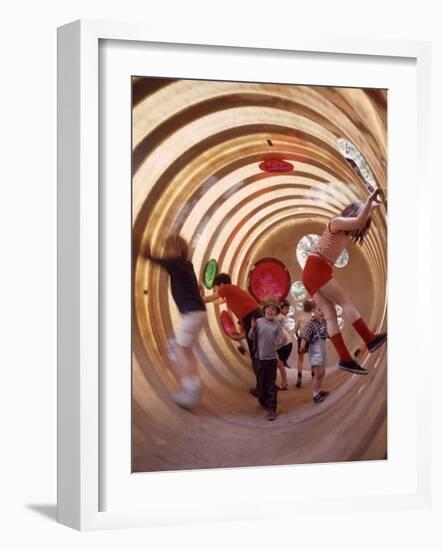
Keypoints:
(341, 223)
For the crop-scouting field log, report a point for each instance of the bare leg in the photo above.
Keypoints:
(282, 372)
(186, 364)
(300, 364)
(189, 395)
(315, 380)
(321, 374)
(332, 292)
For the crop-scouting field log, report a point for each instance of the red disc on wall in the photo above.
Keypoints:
(228, 324)
(269, 278)
(276, 165)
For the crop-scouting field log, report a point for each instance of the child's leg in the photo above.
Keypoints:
(332, 326)
(320, 375)
(299, 367)
(283, 373)
(266, 383)
(186, 363)
(337, 295)
(316, 381)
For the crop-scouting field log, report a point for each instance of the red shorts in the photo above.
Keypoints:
(317, 272)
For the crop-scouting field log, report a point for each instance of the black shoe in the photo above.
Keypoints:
(324, 393)
(379, 339)
(254, 392)
(271, 414)
(287, 366)
(241, 350)
(352, 366)
(318, 398)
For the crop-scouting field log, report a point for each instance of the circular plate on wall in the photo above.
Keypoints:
(228, 324)
(210, 272)
(269, 277)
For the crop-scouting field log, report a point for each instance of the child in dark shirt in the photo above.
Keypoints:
(186, 294)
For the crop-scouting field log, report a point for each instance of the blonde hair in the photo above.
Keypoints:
(179, 244)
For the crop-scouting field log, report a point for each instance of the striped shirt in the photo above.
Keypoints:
(330, 245)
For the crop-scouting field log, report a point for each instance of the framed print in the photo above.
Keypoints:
(206, 201)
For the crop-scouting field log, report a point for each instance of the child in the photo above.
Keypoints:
(186, 294)
(267, 334)
(304, 318)
(242, 304)
(285, 348)
(352, 224)
(315, 334)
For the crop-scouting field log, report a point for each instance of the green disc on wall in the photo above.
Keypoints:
(210, 272)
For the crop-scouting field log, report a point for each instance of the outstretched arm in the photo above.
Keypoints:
(352, 224)
(211, 298)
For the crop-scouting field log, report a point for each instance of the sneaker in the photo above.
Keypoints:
(271, 415)
(187, 399)
(379, 339)
(324, 393)
(352, 366)
(318, 398)
(254, 392)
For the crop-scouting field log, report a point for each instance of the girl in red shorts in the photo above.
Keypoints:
(352, 224)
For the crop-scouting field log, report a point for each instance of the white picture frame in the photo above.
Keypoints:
(79, 271)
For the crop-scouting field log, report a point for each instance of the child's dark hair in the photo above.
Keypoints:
(352, 211)
(308, 306)
(222, 278)
(180, 244)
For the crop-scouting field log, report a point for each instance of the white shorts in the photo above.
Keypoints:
(190, 325)
(317, 353)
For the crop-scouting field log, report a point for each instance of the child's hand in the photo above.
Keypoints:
(376, 197)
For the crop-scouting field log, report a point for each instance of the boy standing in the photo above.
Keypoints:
(315, 334)
(267, 334)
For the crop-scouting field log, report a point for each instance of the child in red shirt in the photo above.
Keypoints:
(242, 304)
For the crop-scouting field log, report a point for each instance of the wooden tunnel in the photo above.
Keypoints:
(197, 147)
